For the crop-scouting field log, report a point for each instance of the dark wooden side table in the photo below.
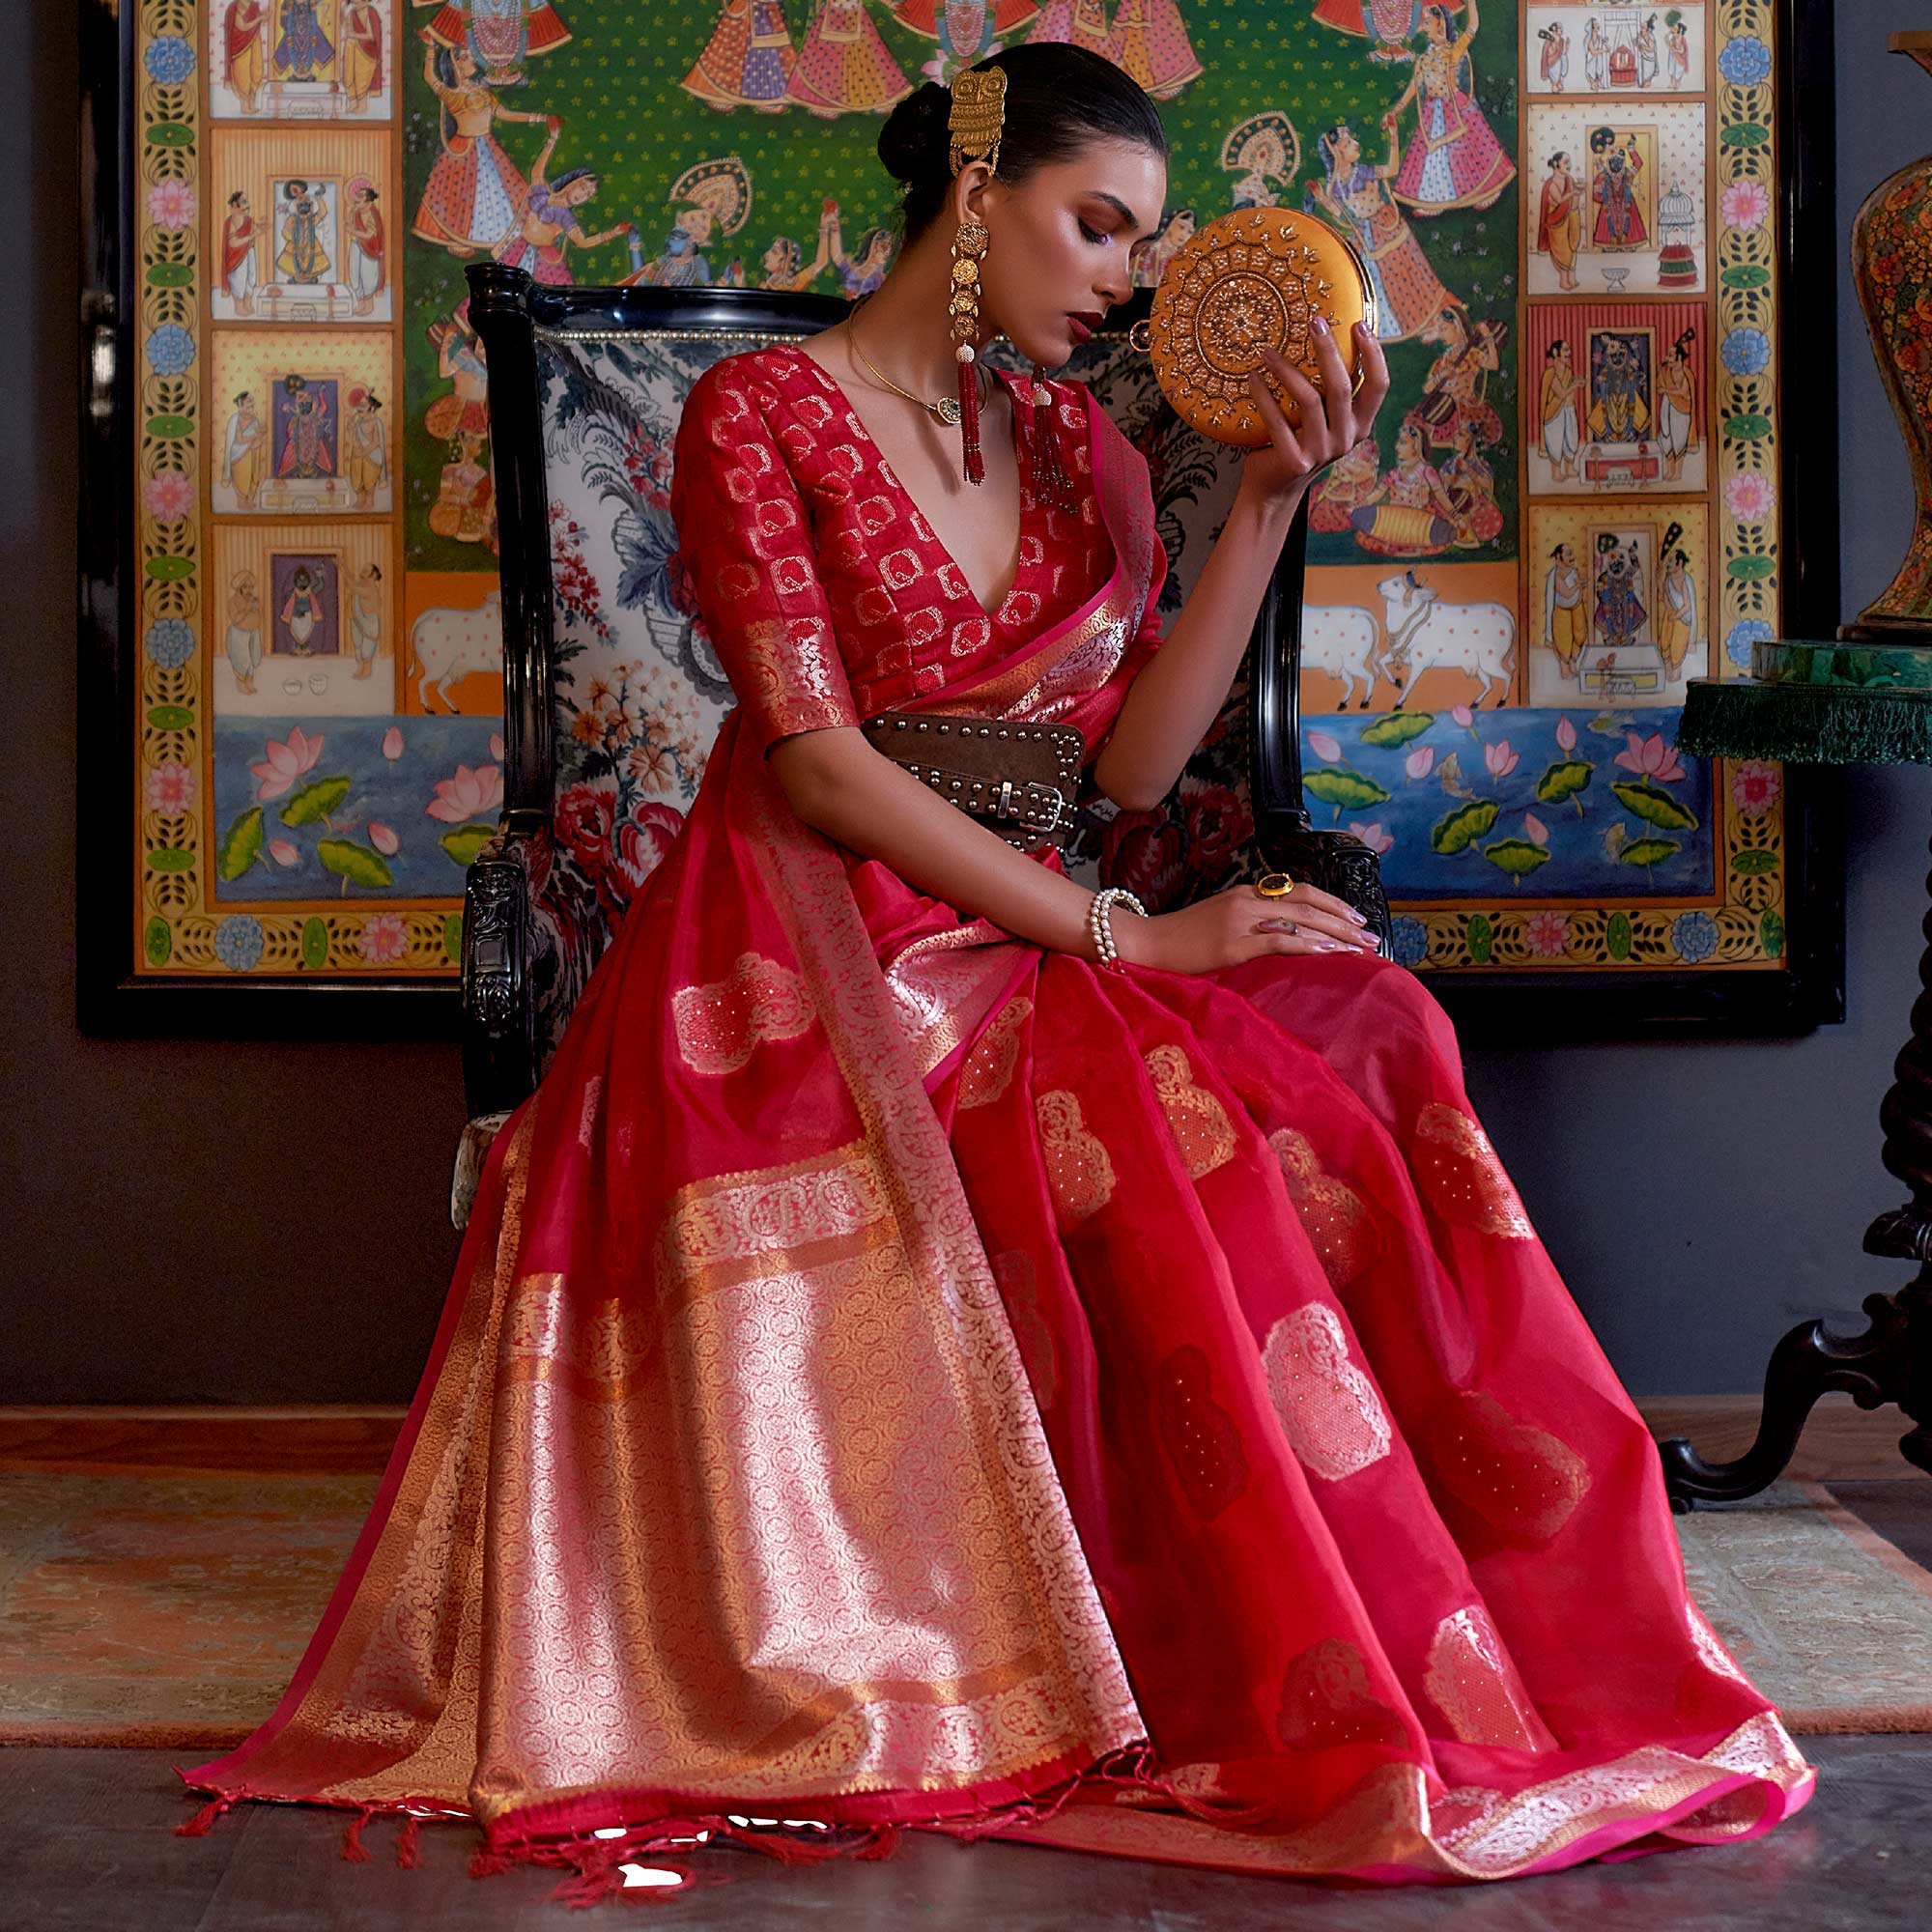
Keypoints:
(1867, 701)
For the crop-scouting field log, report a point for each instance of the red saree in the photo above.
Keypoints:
(896, 1375)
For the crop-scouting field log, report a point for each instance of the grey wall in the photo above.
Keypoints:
(265, 1223)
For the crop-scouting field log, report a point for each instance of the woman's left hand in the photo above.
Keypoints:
(1333, 420)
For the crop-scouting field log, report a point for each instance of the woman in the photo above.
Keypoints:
(549, 223)
(473, 196)
(1410, 296)
(902, 1372)
(1453, 159)
(1408, 513)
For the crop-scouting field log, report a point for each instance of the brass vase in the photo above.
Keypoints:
(1891, 264)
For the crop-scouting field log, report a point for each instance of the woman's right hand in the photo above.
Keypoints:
(1238, 924)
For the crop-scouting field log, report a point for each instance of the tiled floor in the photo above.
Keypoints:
(88, 1844)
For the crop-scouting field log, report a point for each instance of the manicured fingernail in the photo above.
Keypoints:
(1322, 324)
(1331, 945)
(1360, 918)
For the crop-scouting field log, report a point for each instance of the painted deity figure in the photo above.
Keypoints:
(746, 60)
(242, 449)
(301, 613)
(301, 45)
(1619, 394)
(1556, 410)
(305, 454)
(365, 618)
(475, 195)
(1454, 161)
(1391, 24)
(1563, 620)
(368, 260)
(303, 258)
(244, 27)
(497, 35)
(239, 235)
(243, 640)
(681, 262)
(1620, 612)
(844, 66)
(1619, 226)
(1559, 220)
(1410, 295)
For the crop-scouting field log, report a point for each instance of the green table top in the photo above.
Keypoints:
(1816, 702)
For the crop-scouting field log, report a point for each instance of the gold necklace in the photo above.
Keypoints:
(946, 410)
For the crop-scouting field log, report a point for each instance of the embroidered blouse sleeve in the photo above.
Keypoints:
(744, 542)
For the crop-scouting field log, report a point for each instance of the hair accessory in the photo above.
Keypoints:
(977, 116)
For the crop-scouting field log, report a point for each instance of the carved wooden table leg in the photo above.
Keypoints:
(1892, 1361)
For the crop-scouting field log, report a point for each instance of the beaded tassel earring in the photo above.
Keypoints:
(1051, 483)
(972, 125)
(968, 246)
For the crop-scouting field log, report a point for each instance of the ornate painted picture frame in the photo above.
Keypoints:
(1581, 494)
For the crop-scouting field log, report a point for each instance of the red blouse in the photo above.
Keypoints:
(826, 593)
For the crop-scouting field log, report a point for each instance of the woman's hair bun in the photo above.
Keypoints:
(913, 138)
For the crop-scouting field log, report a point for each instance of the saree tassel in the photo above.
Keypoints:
(203, 1821)
(1051, 483)
(488, 1864)
(353, 1851)
(969, 414)
(597, 1878)
(409, 1847)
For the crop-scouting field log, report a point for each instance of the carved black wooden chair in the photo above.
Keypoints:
(612, 694)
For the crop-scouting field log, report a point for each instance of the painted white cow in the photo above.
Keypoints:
(1342, 640)
(446, 644)
(1426, 633)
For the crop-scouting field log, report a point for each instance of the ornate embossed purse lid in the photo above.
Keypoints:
(1258, 277)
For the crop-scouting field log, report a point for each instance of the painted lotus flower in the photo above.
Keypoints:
(383, 839)
(469, 795)
(1749, 495)
(169, 495)
(1745, 352)
(171, 203)
(496, 750)
(1650, 758)
(1498, 760)
(392, 744)
(170, 787)
(383, 937)
(1546, 935)
(1742, 636)
(1694, 934)
(1745, 204)
(1754, 788)
(1565, 737)
(285, 760)
(1420, 762)
(1539, 833)
(283, 853)
(1373, 836)
(1329, 750)
(1464, 715)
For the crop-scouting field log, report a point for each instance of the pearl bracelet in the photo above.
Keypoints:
(1100, 918)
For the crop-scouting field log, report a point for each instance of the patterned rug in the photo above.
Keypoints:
(170, 1610)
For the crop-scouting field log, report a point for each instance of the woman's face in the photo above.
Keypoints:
(1347, 150)
(1060, 244)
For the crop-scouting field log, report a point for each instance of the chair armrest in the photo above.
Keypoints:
(1337, 862)
(499, 1056)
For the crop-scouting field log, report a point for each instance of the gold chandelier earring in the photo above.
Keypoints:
(973, 128)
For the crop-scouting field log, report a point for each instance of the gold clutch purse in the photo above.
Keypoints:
(1255, 279)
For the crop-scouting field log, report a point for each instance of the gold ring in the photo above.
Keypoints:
(1274, 885)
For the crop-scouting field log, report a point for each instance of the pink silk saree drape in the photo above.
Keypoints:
(898, 1377)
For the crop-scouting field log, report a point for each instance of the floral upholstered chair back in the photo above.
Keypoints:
(638, 693)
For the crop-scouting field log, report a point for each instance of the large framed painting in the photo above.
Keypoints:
(1603, 246)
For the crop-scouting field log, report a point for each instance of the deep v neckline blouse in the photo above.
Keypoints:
(1019, 605)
